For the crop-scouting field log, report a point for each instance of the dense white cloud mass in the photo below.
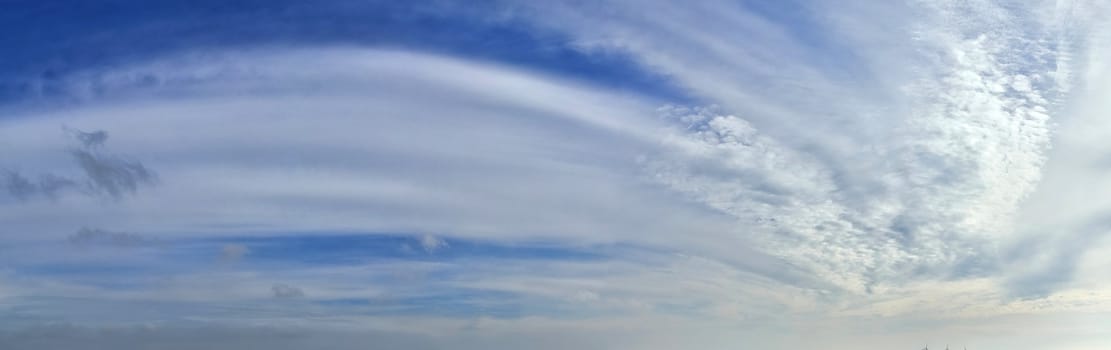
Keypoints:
(882, 173)
(917, 178)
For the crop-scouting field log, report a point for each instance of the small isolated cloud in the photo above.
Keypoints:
(432, 243)
(233, 252)
(87, 236)
(285, 291)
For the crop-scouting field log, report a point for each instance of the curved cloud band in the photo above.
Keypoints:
(936, 158)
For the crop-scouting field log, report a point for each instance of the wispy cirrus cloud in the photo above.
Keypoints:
(872, 165)
(833, 164)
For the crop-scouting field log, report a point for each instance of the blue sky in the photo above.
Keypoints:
(72, 36)
(554, 174)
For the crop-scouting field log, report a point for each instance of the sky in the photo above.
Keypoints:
(613, 174)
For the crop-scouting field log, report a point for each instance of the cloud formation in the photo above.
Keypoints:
(104, 174)
(86, 236)
(431, 243)
(898, 172)
(23, 188)
(112, 176)
(838, 165)
(90, 139)
(285, 291)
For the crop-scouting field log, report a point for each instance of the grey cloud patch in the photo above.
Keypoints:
(18, 186)
(285, 291)
(975, 265)
(23, 188)
(110, 175)
(90, 139)
(49, 185)
(87, 236)
(104, 174)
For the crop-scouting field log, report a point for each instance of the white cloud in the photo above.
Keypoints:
(432, 243)
(264, 147)
(369, 152)
(887, 176)
(897, 149)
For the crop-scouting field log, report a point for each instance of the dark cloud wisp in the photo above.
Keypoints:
(103, 174)
(88, 236)
(285, 291)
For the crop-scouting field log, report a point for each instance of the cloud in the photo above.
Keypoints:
(285, 291)
(86, 236)
(108, 174)
(378, 158)
(871, 164)
(112, 176)
(19, 186)
(380, 166)
(22, 188)
(90, 139)
(858, 162)
(50, 185)
(105, 174)
(431, 243)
